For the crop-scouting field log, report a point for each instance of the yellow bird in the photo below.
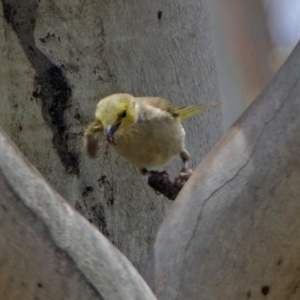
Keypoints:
(146, 131)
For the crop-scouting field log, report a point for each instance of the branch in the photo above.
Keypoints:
(234, 230)
(49, 251)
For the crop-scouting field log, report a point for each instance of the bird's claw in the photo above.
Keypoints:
(183, 177)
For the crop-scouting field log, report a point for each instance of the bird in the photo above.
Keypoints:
(146, 131)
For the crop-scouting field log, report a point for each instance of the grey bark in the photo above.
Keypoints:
(60, 57)
(49, 251)
(234, 230)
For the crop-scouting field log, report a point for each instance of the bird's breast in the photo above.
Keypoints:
(150, 144)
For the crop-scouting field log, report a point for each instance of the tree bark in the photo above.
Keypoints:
(60, 57)
(49, 251)
(234, 230)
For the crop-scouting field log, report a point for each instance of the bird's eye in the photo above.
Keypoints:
(124, 114)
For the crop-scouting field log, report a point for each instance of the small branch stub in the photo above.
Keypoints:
(162, 184)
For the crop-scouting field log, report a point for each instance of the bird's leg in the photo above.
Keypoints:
(185, 173)
(185, 157)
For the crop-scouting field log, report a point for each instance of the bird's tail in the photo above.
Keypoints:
(190, 110)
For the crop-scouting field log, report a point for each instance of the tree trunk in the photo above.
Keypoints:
(234, 230)
(47, 250)
(60, 57)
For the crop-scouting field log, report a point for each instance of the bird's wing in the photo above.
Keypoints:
(190, 110)
(163, 104)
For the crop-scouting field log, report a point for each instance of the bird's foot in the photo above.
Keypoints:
(183, 177)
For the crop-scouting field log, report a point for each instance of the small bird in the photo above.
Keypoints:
(146, 131)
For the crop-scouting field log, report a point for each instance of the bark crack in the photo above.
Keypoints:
(229, 180)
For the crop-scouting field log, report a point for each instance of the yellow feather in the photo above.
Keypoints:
(190, 110)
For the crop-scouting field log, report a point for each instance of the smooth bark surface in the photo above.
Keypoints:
(58, 58)
(234, 230)
(49, 251)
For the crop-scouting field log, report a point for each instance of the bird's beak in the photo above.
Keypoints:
(110, 131)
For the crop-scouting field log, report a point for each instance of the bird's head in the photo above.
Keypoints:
(115, 112)
(112, 113)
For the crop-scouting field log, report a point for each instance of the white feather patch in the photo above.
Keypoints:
(136, 112)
